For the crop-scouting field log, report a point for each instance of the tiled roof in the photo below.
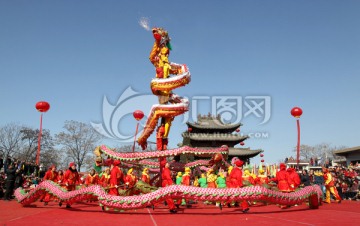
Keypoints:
(243, 152)
(212, 123)
(347, 151)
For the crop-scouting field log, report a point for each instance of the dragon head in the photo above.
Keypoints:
(161, 36)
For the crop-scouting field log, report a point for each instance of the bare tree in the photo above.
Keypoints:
(323, 151)
(10, 139)
(78, 141)
(89, 162)
(30, 143)
(49, 154)
(306, 151)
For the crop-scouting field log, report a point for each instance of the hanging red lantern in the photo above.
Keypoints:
(296, 112)
(242, 143)
(262, 160)
(189, 129)
(42, 106)
(237, 130)
(138, 115)
(261, 155)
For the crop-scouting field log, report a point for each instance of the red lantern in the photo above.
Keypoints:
(42, 106)
(262, 160)
(189, 129)
(237, 130)
(242, 143)
(138, 115)
(261, 155)
(296, 112)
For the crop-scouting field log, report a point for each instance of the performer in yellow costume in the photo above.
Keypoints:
(211, 178)
(330, 187)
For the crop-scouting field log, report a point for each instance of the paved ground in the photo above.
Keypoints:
(12, 213)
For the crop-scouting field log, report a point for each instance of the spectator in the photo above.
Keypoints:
(319, 180)
(1, 163)
(19, 179)
(10, 182)
(305, 179)
(2, 185)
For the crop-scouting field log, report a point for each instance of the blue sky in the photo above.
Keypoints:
(299, 53)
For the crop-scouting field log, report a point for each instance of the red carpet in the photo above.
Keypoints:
(12, 213)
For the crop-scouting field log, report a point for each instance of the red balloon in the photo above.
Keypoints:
(261, 155)
(296, 112)
(262, 160)
(237, 130)
(242, 143)
(138, 115)
(42, 106)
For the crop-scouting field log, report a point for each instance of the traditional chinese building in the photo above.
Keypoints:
(210, 132)
(352, 155)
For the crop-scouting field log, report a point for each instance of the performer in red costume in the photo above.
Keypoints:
(161, 142)
(185, 180)
(294, 179)
(282, 178)
(105, 178)
(60, 178)
(51, 174)
(236, 181)
(167, 181)
(228, 179)
(71, 179)
(116, 177)
(248, 178)
(145, 176)
(92, 178)
(130, 179)
(186, 177)
(262, 179)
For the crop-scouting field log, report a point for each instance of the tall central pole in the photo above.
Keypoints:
(39, 142)
(297, 112)
(298, 143)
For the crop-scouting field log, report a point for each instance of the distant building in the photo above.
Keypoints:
(293, 164)
(210, 132)
(352, 155)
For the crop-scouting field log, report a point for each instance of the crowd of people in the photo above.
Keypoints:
(16, 173)
(346, 181)
(341, 182)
